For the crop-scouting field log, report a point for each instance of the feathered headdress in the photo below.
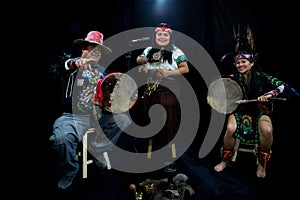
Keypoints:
(244, 46)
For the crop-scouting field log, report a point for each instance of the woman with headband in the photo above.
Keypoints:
(162, 63)
(251, 122)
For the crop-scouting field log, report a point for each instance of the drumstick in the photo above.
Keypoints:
(254, 100)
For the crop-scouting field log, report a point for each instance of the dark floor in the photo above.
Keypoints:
(237, 182)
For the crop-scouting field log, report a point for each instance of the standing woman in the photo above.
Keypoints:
(162, 63)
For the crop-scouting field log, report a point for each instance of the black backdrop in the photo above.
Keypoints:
(51, 29)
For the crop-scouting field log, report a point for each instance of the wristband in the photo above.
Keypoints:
(273, 93)
(70, 64)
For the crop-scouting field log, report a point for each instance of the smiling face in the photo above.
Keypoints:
(162, 38)
(92, 52)
(244, 65)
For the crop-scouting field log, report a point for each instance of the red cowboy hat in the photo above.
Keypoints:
(93, 37)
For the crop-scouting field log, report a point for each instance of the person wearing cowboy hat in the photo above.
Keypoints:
(80, 77)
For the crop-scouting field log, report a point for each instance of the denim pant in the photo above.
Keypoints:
(68, 131)
(112, 126)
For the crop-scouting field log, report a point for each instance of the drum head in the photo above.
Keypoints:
(118, 92)
(223, 95)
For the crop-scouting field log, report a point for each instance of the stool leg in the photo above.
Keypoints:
(149, 148)
(235, 149)
(255, 153)
(252, 149)
(85, 160)
(108, 165)
(173, 149)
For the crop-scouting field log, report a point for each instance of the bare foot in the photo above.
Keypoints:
(219, 167)
(261, 171)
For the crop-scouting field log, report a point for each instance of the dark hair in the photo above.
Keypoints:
(164, 25)
(167, 52)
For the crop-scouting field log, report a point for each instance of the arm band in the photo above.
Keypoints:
(273, 93)
(70, 64)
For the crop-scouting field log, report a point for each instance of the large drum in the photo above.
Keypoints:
(116, 92)
(224, 95)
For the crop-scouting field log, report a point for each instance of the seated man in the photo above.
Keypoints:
(79, 78)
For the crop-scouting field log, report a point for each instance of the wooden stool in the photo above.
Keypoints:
(244, 147)
(171, 146)
(86, 160)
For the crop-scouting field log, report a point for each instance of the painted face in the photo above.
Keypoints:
(162, 38)
(243, 65)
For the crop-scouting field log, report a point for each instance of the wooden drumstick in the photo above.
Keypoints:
(254, 100)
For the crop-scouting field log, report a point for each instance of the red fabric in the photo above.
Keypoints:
(94, 36)
(99, 94)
